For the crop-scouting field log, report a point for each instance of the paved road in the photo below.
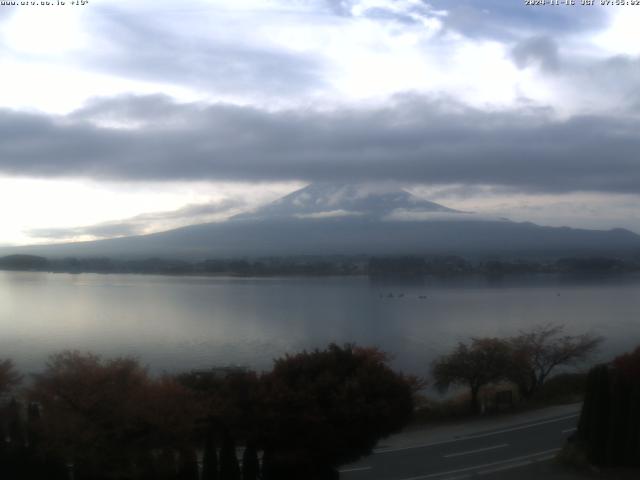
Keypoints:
(476, 454)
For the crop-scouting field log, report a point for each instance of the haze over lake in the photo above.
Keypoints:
(177, 323)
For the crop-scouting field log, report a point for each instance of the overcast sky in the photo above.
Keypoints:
(124, 117)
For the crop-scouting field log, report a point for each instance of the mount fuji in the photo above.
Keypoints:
(374, 202)
(353, 219)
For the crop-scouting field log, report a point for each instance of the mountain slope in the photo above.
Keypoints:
(352, 219)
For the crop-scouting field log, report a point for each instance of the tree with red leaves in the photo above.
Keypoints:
(325, 408)
(104, 415)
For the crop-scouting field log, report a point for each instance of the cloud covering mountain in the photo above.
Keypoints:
(333, 200)
(417, 139)
(348, 219)
(150, 103)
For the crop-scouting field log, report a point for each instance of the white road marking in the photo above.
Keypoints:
(516, 461)
(567, 430)
(471, 437)
(516, 464)
(469, 452)
(354, 469)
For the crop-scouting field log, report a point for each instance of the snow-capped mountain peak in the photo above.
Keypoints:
(330, 200)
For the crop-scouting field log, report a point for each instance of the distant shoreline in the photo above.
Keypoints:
(388, 267)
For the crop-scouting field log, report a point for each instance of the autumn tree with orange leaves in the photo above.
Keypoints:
(105, 415)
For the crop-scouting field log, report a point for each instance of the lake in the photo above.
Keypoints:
(178, 323)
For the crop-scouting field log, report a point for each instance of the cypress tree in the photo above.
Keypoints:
(609, 426)
(146, 466)
(267, 465)
(626, 443)
(601, 416)
(229, 468)
(616, 435)
(250, 464)
(593, 427)
(16, 428)
(85, 469)
(3, 441)
(167, 465)
(210, 459)
(33, 424)
(632, 451)
(51, 468)
(188, 464)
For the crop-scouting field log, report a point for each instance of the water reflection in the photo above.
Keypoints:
(175, 323)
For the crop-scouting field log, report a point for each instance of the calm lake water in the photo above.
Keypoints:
(176, 323)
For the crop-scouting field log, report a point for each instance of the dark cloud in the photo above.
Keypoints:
(494, 19)
(538, 51)
(192, 211)
(616, 76)
(606, 83)
(409, 15)
(143, 49)
(502, 20)
(386, 14)
(98, 231)
(139, 224)
(414, 140)
(613, 77)
(340, 7)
